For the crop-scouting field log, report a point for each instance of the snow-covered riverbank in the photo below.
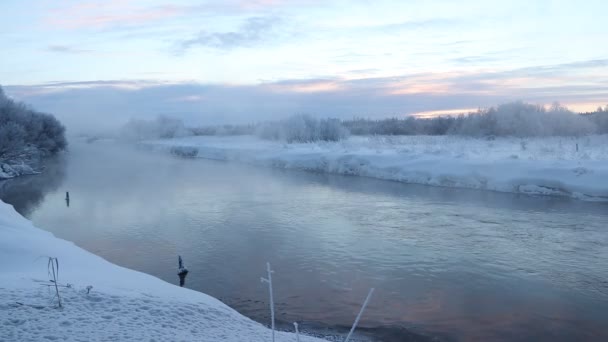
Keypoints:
(570, 167)
(123, 305)
(12, 170)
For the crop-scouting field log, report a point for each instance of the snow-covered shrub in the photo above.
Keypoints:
(160, 128)
(303, 128)
(332, 130)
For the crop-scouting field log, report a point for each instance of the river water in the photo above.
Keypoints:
(447, 264)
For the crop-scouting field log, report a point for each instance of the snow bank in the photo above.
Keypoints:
(14, 170)
(571, 167)
(123, 304)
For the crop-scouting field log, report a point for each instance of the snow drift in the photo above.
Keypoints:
(560, 166)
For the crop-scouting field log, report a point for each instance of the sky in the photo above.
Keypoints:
(95, 63)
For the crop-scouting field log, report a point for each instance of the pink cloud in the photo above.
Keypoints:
(98, 14)
(256, 4)
(103, 14)
(313, 86)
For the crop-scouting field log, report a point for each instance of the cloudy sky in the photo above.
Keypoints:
(238, 61)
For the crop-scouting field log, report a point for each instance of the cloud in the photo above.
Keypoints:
(247, 5)
(107, 14)
(566, 67)
(474, 59)
(565, 74)
(435, 23)
(305, 86)
(66, 49)
(106, 104)
(253, 31)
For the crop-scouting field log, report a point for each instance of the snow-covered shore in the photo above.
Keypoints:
(123, 305)
(12, 170)
(560, 166)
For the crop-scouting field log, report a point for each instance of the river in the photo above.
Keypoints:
(447, 264)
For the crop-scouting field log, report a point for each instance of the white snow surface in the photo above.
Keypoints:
(123, 305)
(541, 166)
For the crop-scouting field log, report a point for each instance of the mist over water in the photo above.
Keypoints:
(455, 264)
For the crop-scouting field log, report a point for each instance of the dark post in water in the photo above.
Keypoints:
(182, 271)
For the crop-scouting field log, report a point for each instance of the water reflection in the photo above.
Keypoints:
(26, 193)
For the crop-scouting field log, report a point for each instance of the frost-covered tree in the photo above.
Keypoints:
(12, 138)
(26, 131)
(332, 130)
(522, 120)
(303, 128)
(600, 119)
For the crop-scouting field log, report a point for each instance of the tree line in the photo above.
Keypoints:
(517, 119)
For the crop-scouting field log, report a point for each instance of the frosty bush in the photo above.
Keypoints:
(332, 130)
(303, 128)
(160, 128)
(26, 131)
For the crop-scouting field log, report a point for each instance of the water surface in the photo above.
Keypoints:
(446, 263)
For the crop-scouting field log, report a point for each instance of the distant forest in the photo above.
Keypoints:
(512, 119)
(517, 119)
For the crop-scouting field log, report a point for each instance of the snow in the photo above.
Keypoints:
(11, 170)
(122, 305)
(538, 166)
